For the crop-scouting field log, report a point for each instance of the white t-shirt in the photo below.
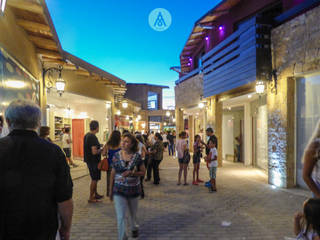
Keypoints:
(214, 154)
(65, 144)
(180, 147)
(140, 146)
(164, 136)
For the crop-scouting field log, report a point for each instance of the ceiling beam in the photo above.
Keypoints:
(48, 53)
(82, 73)
(25, 5)
(33, 26)
(43, 42)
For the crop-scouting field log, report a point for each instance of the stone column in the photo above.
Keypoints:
(247, 135)
(179, 121)
(281, 133)
(216, 124)
(191, 131)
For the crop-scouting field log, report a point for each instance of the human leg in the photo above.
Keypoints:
(149, 169)
(185, 172)
(108, 180)
(121, 205)
(156, 177)
(133, 209)
(180, 172)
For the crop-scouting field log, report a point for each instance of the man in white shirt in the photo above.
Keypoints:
(66, 145)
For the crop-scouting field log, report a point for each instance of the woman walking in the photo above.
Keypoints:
(143, 152)
(311, 166)
(183, 156)
(112, 147)
(157, 151)
(127, 168)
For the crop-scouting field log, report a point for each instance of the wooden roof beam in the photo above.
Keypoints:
(48, 53)
(29, 25)
(25, 5)
(82, 73)
(43, 42)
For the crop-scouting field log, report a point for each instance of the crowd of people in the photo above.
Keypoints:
(36, 184)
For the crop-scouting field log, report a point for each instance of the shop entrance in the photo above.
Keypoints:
(244, 131)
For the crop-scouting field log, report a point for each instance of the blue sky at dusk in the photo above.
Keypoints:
(115, 35)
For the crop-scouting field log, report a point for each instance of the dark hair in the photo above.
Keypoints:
(152, 132)
(183, 134)
(140, 138)
(134, 142)
(94, 125)
(67, 130)
(211, 140)
(311, 212)
(1, 121)
(125, 131)
(44, 131)
(195, 137)
(209, 130)
(145, 137)
(114, 139)
(158, 136)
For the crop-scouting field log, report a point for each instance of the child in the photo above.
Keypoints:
(197, 148)
(309, 228)
(212, 161)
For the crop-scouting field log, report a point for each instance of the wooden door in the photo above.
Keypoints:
(77, 137)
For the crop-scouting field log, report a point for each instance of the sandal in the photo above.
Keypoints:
(178, 184)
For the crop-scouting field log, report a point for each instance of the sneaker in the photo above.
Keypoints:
(195, 183)
(199, 181)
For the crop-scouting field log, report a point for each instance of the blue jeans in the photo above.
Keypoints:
(171, 149)
(121, 205)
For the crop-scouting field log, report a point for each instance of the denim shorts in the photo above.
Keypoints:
(213, 172)
(183, 161)
(95, 173)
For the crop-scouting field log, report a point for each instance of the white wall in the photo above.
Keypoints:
(227, 135)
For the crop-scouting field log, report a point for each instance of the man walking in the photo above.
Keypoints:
(35, 181)
(170, 138)
(92, 156)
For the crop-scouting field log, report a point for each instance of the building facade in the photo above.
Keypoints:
(240, 51)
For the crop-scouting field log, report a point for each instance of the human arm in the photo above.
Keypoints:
(113, 173)
(144, 152)
(308, 166)
(297, 223)
(65, 210)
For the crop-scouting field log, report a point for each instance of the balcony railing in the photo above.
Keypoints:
(188, 75)
(236, 60)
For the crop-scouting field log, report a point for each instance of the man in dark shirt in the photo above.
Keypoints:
(170, 138)
(35, 181)
(212, 137)
(92, 156)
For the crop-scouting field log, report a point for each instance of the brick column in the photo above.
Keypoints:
(179, 121)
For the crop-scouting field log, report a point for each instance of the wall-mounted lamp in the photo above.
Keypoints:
(201, 105)
(2, 6)
(260, 87)
(125, 104)
(59, 83)
(168, 113)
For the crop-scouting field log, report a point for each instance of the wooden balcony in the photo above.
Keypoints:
(240, 59)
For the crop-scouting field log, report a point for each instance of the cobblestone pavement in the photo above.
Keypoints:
(254, 209)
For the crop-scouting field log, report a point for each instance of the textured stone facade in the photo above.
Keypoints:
(295, 52)
(188, 92)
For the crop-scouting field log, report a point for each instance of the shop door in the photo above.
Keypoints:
(77, 136)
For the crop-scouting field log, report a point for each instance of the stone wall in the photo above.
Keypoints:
(188, 92)
(295, 52)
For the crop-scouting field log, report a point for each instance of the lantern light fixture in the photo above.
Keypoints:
(125, 104)
(260, 87)
(2, 6)
(59, 83)
(201, 105)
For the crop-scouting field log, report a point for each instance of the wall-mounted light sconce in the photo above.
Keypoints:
(260, 87)
(201, 105)
(168, 113)
(59, 83)
(125, 104)
(2, 6)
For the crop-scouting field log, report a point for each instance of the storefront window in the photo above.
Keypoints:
(308, 114)
(152, 101)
